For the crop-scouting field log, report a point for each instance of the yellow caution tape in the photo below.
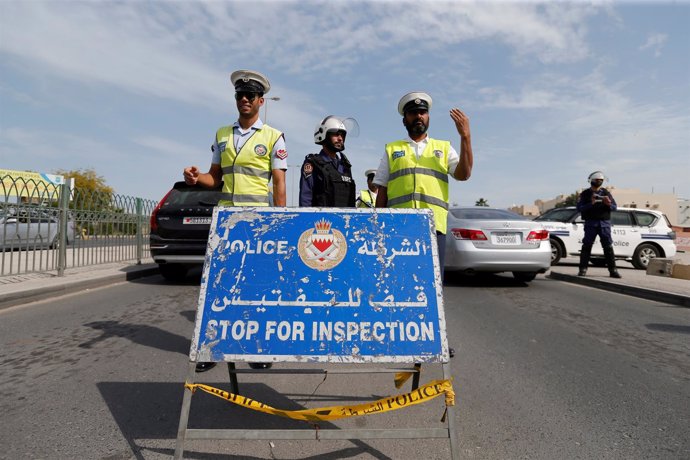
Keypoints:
(420, 395)
(402, 377)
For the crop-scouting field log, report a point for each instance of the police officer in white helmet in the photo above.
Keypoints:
(595, 205)
(326, 178)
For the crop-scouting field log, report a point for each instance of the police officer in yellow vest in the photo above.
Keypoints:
(248, 154)
(413, 172)
(246, 157)
(367, 198)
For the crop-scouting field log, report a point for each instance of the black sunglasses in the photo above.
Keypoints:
(249, 95)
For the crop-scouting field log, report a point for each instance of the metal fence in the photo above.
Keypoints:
(46, 227)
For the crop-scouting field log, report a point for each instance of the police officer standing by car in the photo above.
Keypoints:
(247, 155)
(595, 205)
(413, 172)
(326, 178)
(367, 198)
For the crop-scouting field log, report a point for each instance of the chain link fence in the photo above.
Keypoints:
(46, 227)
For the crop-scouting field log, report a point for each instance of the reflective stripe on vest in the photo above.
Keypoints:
(246, 173)
(419, 182)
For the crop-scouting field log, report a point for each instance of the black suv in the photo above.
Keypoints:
(180, 226)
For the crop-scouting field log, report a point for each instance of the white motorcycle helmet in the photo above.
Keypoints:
(329, 124)
(596, 175)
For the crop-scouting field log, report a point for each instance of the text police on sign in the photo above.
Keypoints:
(315, 285)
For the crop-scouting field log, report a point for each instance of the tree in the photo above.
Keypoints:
(481, 202)
(86, 180)
(570, 200)
(92, 200)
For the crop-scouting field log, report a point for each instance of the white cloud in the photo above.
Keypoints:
(615, 124)
(601, 114)
(92, 43)
(531, 58)
(527, 98)
(655, 42)
(169, 49)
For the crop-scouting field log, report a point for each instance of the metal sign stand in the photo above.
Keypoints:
(310, 285)
(184, 433)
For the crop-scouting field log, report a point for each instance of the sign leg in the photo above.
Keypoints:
(233, 379)
(452, 431)
(415, 376)
(184, 413)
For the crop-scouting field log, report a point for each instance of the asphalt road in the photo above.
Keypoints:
(545, 371)
(562, 371)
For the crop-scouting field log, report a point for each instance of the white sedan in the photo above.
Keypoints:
(482, 239)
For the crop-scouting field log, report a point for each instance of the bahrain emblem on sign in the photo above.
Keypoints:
(322, 247)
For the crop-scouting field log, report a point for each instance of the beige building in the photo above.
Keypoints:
(633, 198)
(677, 210)
(545, 205)
(528, 210)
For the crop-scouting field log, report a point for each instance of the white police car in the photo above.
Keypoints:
(638, 235)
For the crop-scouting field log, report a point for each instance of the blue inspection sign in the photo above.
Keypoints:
(321, 285)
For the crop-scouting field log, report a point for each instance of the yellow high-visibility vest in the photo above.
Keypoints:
(366, 199)
(246, 173)
(419, 182)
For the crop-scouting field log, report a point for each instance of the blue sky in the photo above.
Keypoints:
(136, 90)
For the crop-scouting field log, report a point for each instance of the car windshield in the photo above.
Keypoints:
(557, 215)
(480, 213)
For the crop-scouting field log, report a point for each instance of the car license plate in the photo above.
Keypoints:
(196, 220)
(506, 239)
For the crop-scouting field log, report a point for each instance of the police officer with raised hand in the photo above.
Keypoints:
(326, 178)
(595, 205)
(413, 172)
(367, 198)
(247, 155)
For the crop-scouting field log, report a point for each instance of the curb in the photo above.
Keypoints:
(644, 293)
(41, 293)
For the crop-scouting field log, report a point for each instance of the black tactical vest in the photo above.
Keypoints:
(598, 211)
(332, 189)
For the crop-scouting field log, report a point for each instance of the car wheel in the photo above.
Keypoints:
(643, 254)
(557, 251)
(597, 262)
(525, 277)
(173, 272)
